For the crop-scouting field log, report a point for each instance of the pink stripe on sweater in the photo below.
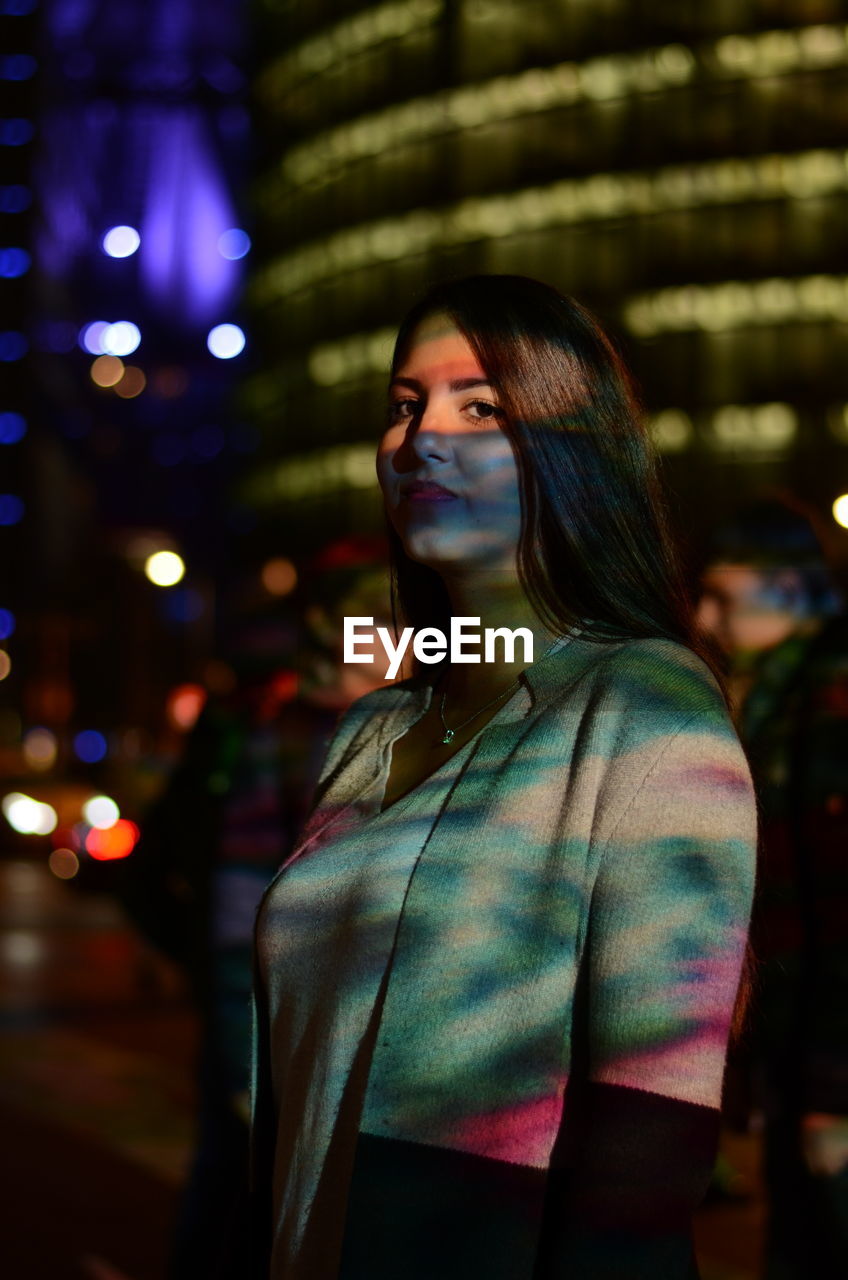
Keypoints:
(519, 1134)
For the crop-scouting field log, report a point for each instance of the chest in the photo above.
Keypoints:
(422, 751)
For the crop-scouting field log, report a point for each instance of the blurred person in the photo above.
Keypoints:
(219, 831)
(770, 601)
(497, 975)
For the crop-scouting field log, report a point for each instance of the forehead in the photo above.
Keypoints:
(437, 351)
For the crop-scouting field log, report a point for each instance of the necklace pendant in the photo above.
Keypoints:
(448, 738)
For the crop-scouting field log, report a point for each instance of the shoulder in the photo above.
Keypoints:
(380, 702)
(674, 772)
(364, 717)
(651, 687)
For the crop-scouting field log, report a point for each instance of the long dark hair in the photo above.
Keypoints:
(595, 546)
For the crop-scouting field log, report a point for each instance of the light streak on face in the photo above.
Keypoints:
(445, 465)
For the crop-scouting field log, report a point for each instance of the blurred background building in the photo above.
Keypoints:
(680, 165)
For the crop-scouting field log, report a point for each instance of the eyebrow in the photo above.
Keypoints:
(458, 384)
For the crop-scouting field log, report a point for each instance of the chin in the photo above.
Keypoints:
(431, 552)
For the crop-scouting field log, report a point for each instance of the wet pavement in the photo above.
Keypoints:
(96, 1097)
(95, 1086)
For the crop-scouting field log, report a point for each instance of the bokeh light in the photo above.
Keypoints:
(91, 337)
(17, 8)
(40, 749)
(22, 948)
(13, 427)
(16, 132)
(226, 341)
(101, 812)
(107, 371)
(27, 816)
(840, 510)
(7, 623)
(64, 863)
(279, 576)
(90, 746)
(234, 244)
(164, 568)
(184, 704)
(14, 262)
(121, 338)
(14, 197)
(118, 841)
(5, 664)
(184, 605)
(13, 346)
(11, 509)
(17, 66)
(121, 242)
(131, 384)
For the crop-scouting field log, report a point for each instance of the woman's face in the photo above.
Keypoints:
(446, 468)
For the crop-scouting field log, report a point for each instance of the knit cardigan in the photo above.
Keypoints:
(543, 1097)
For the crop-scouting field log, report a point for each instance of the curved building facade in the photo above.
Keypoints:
(680, 166)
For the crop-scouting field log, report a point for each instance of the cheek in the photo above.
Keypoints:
(495, 474)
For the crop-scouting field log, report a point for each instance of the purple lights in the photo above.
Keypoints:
(13, 346)
(13, 263)
(226, 341)
(234, 244)
(187, 210)
(90, 746)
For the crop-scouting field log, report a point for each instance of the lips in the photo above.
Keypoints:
(426, 491)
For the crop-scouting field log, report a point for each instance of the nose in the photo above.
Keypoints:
(429, 435)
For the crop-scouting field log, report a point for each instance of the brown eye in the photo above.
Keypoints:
(484, 410)
(400, 410)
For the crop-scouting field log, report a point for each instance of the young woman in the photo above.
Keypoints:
(496, 978)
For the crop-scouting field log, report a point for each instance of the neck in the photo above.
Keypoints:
(498, 600)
